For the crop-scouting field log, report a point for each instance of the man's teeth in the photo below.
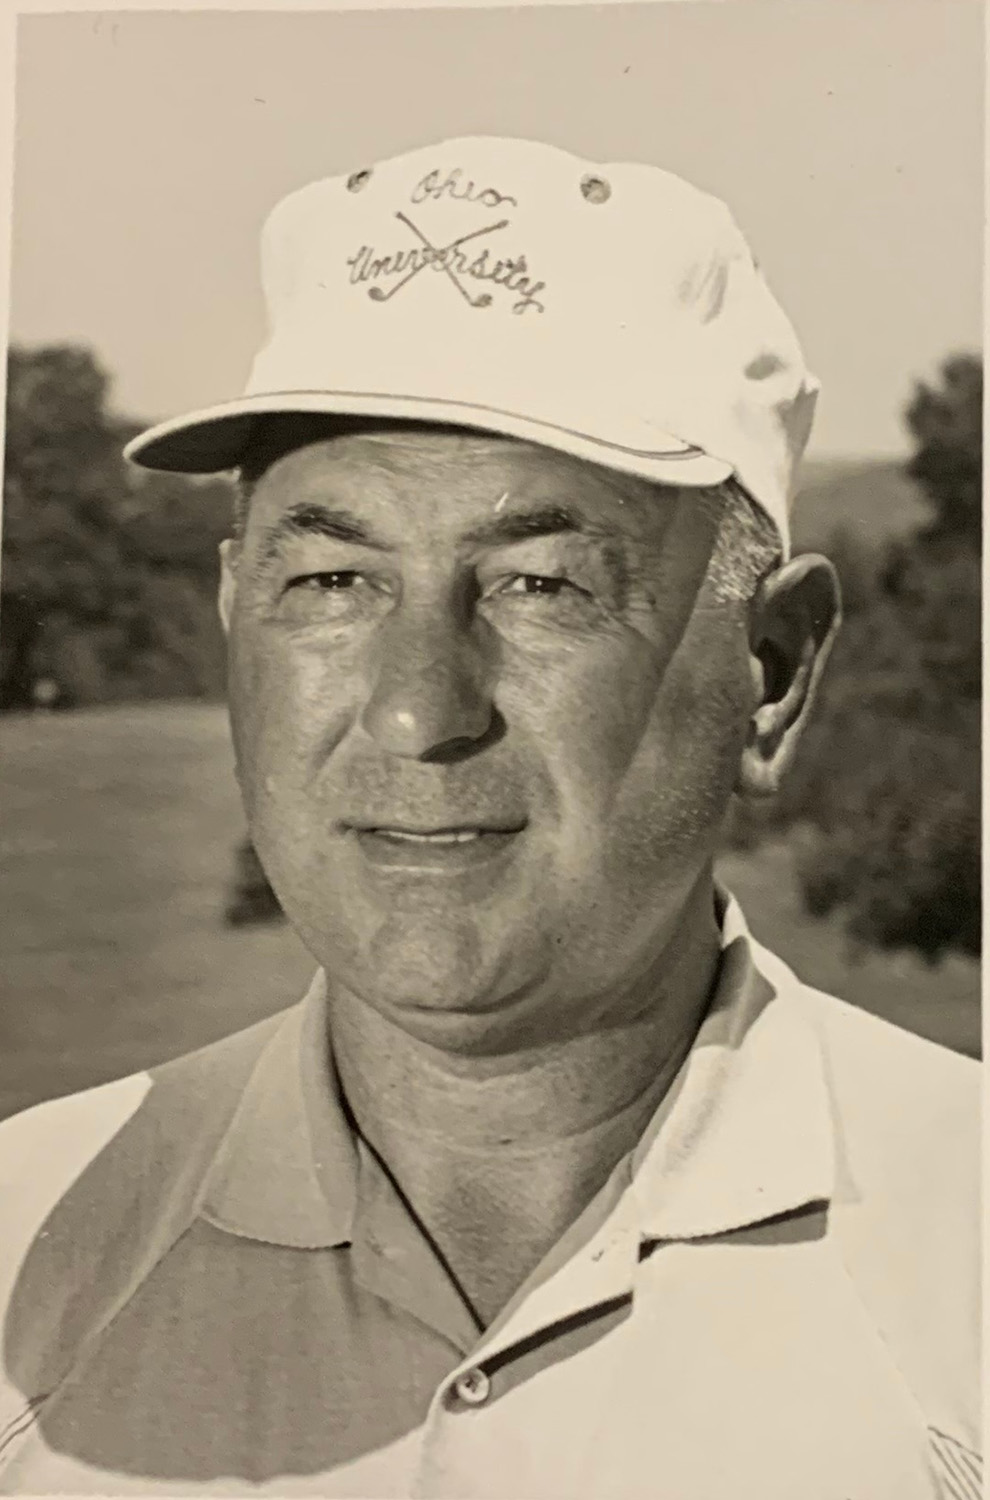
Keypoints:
(462, 836)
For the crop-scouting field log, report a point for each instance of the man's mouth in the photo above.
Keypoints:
(440, 848)
(436, 835)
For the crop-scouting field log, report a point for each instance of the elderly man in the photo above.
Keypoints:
(555, 1184)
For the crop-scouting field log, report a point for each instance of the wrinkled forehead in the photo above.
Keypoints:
(277, 437)
(443, 465)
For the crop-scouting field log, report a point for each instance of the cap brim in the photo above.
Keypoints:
(218, 438)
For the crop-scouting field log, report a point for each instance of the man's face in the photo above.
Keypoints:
(487, 717)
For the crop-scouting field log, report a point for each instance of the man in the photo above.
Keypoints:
(555, 1183)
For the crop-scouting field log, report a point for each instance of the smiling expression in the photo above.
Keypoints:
(487, 718)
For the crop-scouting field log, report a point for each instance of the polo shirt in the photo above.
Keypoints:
(209, 1285)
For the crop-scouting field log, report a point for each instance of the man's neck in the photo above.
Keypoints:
(497, 1155)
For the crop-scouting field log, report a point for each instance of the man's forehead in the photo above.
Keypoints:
(297, 449)
(278, 436)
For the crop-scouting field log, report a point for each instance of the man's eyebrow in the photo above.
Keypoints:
(520, 526)
(311, 519)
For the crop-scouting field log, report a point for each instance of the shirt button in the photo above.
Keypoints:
(473, 1387)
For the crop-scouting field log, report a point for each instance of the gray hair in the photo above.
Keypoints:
(244, 487)
(747, 545)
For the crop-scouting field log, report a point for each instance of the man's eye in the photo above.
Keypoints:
(536, 583)
(325, 582)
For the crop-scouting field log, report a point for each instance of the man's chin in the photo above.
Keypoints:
(454, 986)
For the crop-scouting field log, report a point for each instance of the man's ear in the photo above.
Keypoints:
(229, 554)
(794, 618)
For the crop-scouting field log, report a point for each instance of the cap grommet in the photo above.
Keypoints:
(358, 180)
(595, 189)
(473, 1387)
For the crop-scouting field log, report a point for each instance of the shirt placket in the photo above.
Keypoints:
(393, 1259)
(470, 1444)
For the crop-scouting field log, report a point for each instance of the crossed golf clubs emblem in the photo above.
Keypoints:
(439, 257)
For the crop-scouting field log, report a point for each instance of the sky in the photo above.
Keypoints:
(846, 135)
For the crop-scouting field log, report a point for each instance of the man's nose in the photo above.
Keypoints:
(429, 693)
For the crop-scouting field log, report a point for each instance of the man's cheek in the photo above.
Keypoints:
(266, 722)
(695, 749)
(290, 712)
(591, 723)
(676, 790)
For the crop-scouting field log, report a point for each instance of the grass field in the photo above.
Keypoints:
(116, 854)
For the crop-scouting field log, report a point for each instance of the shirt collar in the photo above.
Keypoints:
(745, 1133)
(287, 1169)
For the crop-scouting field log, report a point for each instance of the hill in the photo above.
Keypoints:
(873, 496)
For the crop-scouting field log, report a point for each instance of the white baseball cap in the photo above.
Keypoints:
(613, 312)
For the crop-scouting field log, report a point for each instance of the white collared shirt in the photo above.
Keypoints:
(210, 1286)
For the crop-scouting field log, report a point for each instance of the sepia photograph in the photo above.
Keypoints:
(490, 744)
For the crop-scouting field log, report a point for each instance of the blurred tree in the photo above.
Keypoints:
(946, 423)
(62, 460)
(108, 573)
(252, 899)
(887, 783)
